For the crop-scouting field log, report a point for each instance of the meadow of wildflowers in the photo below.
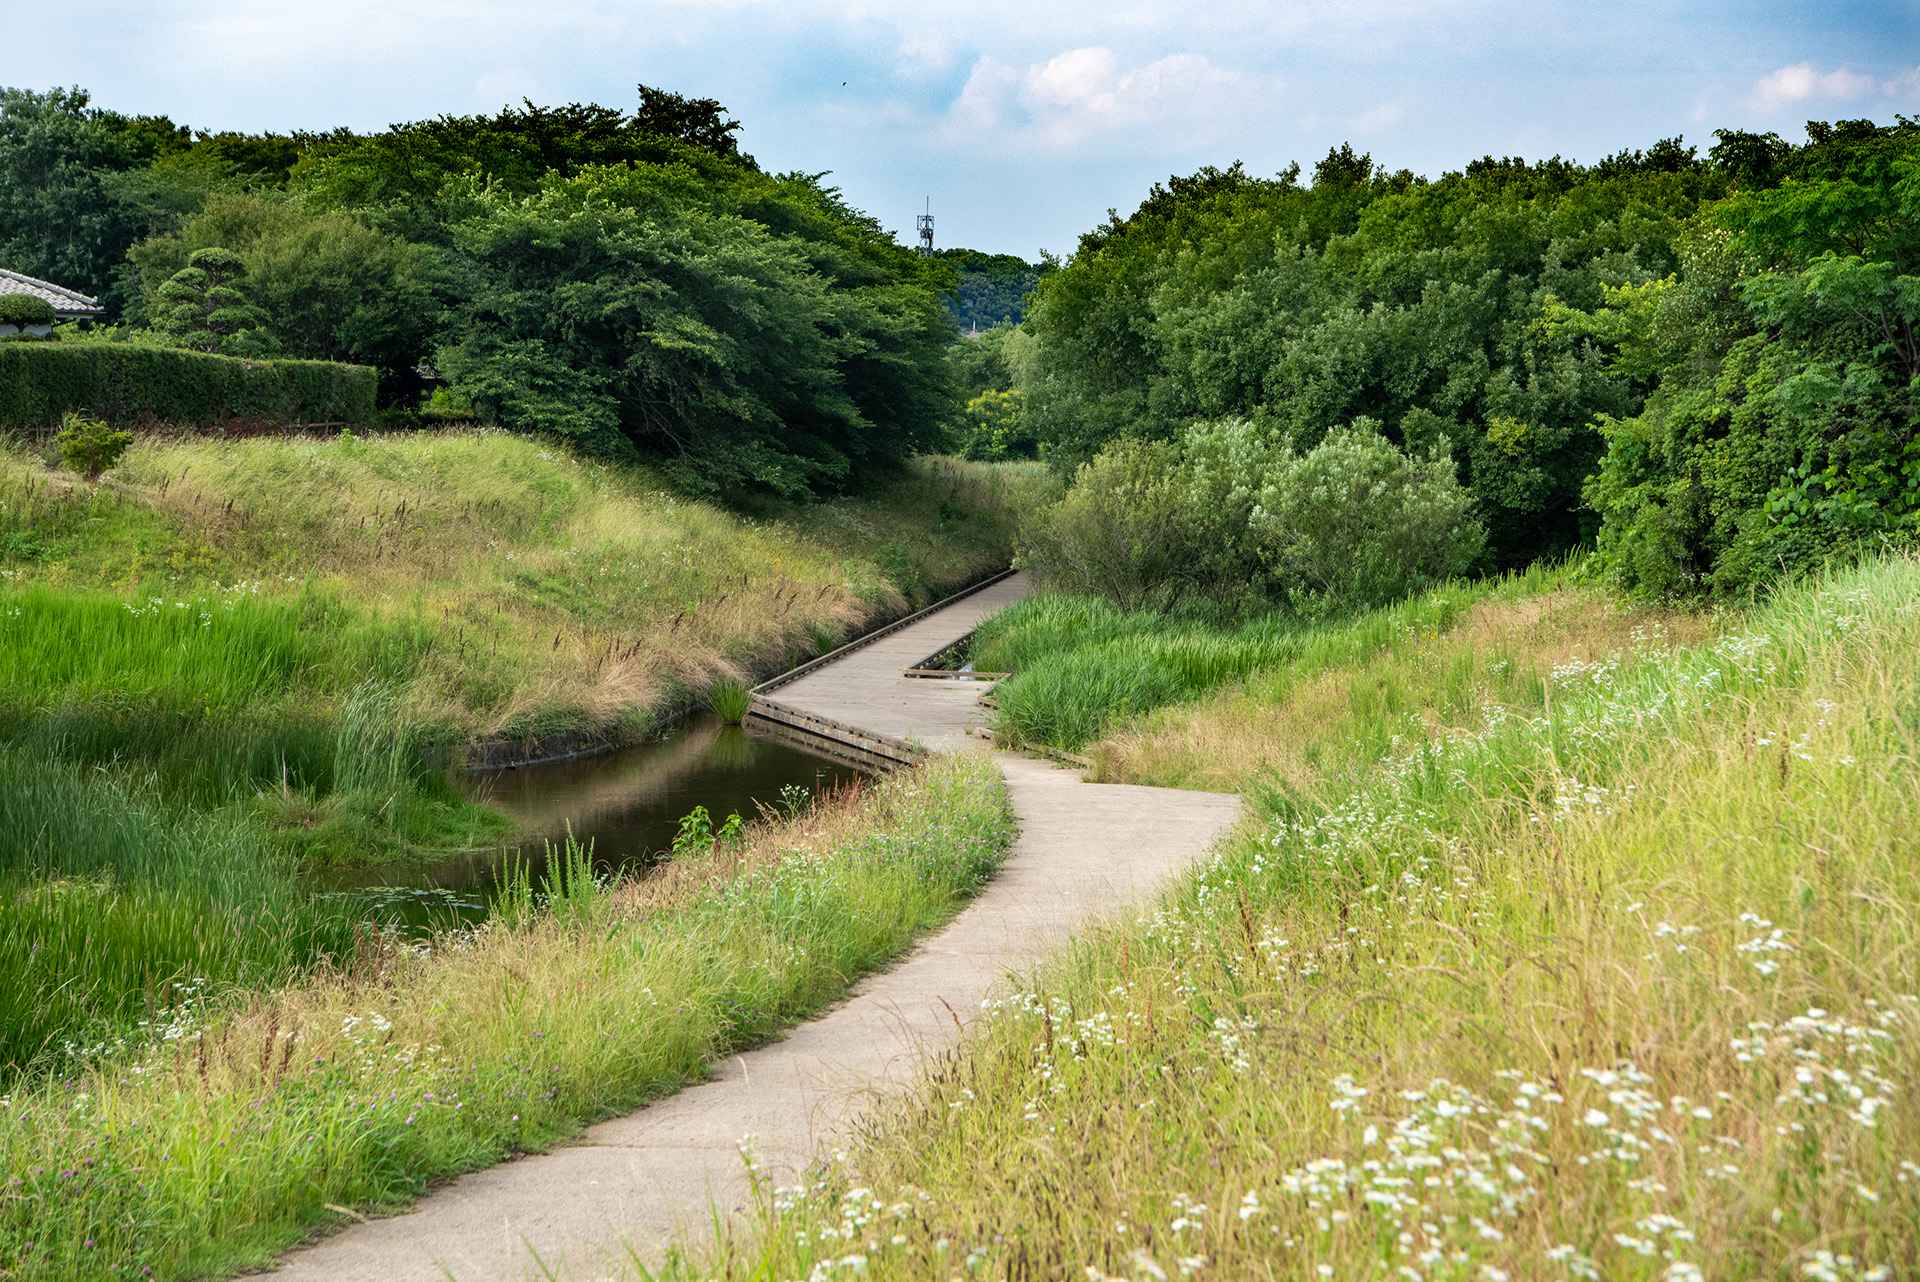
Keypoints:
(228, 1124)
(1614, 980)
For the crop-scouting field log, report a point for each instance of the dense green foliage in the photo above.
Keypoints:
(327, 285)
(1783, 424)
(79, 186)
(638, 307)
(137, 382)
(1233, 514)
(992, 288)
(24, 310)
(625, 279)
(1506, 312)
(990, 368)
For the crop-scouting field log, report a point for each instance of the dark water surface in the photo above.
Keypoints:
(626, 804)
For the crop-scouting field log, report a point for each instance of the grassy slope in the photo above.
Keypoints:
(1607, 971)
(235, 1134)
(532, 591)
(249, 653)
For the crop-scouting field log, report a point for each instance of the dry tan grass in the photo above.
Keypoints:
(1275, 727)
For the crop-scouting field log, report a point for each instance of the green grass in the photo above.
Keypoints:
(1616, 979)
(115, 905)
(276, 645)
(223, 1144)
(729, 700)
(1081, 665)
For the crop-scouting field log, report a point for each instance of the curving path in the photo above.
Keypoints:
(630, 1185)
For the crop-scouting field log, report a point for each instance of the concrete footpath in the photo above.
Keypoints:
(630, 1185)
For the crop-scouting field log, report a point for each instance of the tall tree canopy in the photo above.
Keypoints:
(627, 278)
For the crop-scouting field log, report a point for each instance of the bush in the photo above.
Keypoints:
(88, 446)
(24, 310)
(125, 382)
(1125, 530)
(1235, 517)
(993, 426)
(1355, 522)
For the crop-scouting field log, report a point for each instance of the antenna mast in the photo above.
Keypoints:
(924, 224)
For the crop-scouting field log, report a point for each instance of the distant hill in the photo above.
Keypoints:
(993, 288)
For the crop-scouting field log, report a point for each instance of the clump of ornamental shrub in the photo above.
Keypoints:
(88, 446)
(1355, 521)
(25, 311)
(1235, 516)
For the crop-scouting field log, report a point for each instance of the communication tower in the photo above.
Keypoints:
(924, 225)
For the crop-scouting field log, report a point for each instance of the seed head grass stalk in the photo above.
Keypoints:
(1617, 982)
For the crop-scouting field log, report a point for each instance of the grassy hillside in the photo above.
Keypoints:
(1564, 942)
(234, 660)
(529, 590)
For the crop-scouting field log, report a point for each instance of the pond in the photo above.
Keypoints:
(627, 805)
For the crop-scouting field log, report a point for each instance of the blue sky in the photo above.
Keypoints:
(1023, 120)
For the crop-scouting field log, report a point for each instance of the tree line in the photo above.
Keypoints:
(1703, 364)
(628, 280)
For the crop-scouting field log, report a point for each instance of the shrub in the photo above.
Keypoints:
(447, 406)
(1234, 516)
(993, 426)
(127, 382)
(1356, 522)
(1125, 530)
(24, 310)
(1223, 463)
(88, 446)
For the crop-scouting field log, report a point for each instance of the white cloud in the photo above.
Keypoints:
(924, 53)
(1084, 93)
(1801, 82)
(1379, 118)
(986, 97)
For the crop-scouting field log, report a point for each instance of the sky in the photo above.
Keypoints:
(1023, 121)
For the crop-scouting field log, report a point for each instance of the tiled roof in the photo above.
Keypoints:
(66, 302)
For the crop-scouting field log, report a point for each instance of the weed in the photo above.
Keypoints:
(729, 700)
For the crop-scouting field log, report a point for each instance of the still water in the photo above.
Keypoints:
(627, 805)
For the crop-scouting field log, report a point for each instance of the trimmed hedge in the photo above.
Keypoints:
(24, 310)
(126, 382)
